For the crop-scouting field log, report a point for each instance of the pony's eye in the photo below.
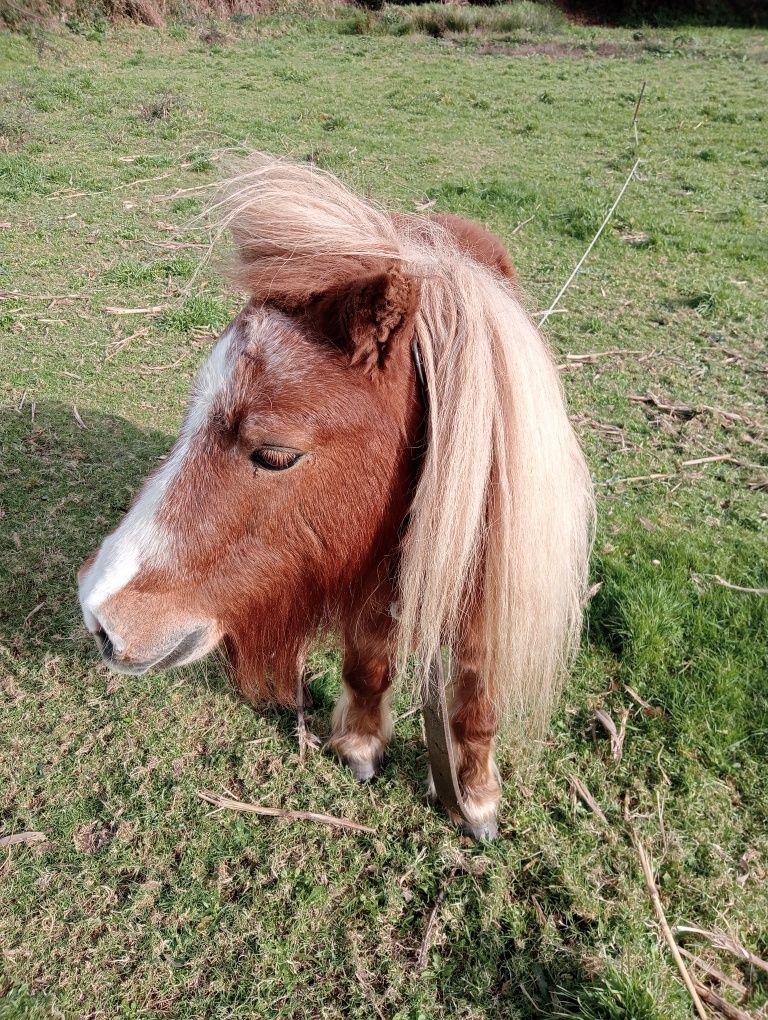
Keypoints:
(274, 458)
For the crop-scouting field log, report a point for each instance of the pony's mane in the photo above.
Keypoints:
(503, 509)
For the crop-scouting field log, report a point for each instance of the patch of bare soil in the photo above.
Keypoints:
(94, 836)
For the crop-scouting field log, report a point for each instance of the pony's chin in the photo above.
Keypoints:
(192, 646)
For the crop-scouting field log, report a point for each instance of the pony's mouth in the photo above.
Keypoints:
(183, 651)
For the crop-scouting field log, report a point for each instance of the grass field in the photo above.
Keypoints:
(143, 904)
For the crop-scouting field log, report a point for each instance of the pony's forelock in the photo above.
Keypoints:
(501, 520)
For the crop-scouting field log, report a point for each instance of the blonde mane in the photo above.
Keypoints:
(503, 510)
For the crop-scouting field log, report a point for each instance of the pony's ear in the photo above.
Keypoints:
(368, 316)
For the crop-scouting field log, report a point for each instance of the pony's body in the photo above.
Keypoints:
(315, 486)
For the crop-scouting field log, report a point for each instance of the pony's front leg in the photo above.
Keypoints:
(362, 720)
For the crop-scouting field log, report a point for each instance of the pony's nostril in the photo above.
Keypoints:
(105, 643)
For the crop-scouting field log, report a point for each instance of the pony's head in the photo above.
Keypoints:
(297, 464)
(287, 484)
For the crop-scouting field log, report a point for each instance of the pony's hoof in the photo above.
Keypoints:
(487, 830)
(361, 755)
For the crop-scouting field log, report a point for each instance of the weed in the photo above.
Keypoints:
(718, 300)
(581, 221)
(481, 200)
(613, 996)
(213, 36)
(332, 121)
(162, 107)
(180, 267)
(534, 18)
(196, 312)
(93, 29)
(21, 175)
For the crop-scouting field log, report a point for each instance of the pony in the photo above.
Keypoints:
(318, 486)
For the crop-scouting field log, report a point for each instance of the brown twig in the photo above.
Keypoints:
(592, 591)
(637, 110)
(647, 707)
(306, 738)
(32, 613)
(76, 414)
(617, 735)
(722, 941)
(149, 369)
(426, 942)
(720, 458)
(151, 310)
(174, 245)
(713, 972)
(528, 996)
(689, 411)
(149, 180)
(23, 837)
(661, 916)
(67, 193)
(185, 191)
(228, 804)
(659, 476)
(590, 246)
(727, 584)
(594, 355)
(520, 226)
(721, 1005)
(301, 722)
(580, 790)
(679, 410)
(709, 460)
(116, 346)
(406, 715)
(666, 476)
(12, 295)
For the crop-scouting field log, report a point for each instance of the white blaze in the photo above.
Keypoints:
(140, 539)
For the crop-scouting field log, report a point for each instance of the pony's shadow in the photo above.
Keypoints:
(64, 486)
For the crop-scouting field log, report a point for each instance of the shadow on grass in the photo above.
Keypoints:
(672, 14)
(63, 488)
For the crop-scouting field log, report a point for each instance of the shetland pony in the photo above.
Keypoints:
(314, 485)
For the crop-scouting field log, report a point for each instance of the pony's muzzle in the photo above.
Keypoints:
(189, 647)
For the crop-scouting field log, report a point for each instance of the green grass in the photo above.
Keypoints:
(141, 903)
